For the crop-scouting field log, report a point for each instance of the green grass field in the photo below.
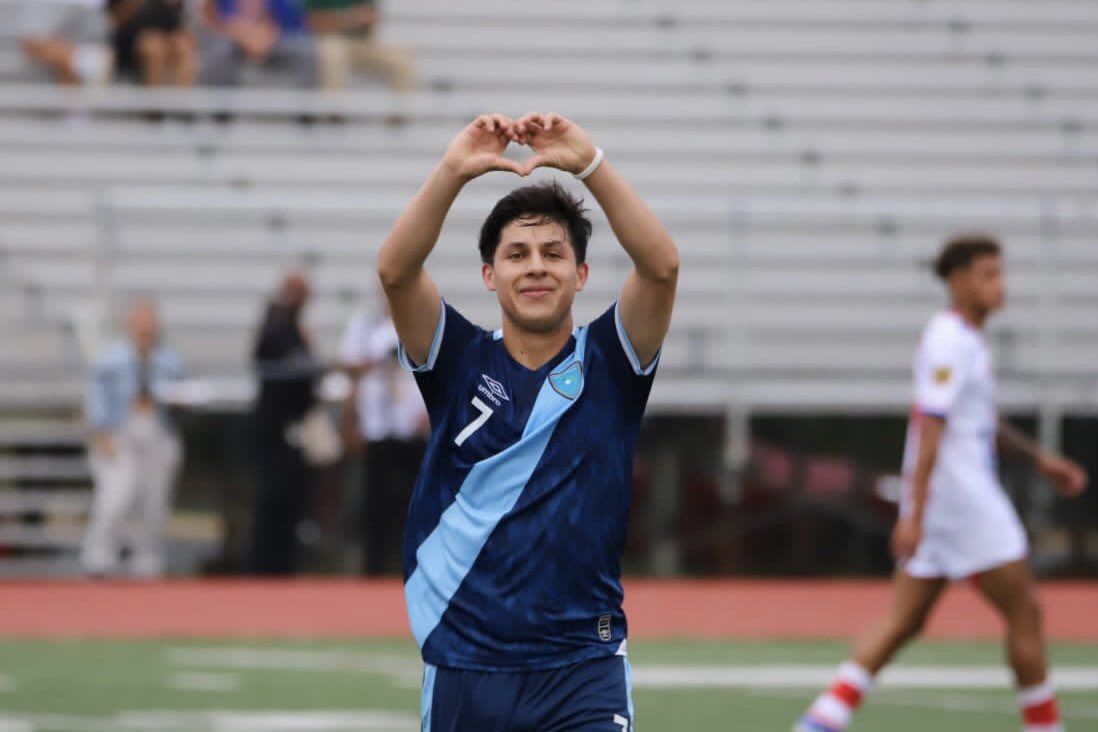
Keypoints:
(284, 686)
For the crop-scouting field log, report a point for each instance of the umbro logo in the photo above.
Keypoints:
(495, 388)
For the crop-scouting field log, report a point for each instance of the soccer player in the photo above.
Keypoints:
(956, 521)
(518, 518)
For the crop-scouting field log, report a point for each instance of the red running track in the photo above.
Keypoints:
(346, 608)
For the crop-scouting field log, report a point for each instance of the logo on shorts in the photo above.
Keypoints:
(604, 628)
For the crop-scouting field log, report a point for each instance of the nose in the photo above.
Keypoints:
(536, 265)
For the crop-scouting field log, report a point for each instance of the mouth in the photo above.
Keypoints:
(536, 293)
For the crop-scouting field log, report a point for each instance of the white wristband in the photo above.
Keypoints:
(593, 166)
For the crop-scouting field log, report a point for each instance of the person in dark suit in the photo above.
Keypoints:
(286, 372)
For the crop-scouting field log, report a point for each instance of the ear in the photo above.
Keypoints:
(582, 272)
(488, 274)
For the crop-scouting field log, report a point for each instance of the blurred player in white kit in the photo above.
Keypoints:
(956, 521)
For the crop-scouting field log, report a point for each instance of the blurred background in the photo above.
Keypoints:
(810, 158)
(192, 195)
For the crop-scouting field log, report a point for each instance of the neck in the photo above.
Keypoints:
(534, 349)
(971, 314)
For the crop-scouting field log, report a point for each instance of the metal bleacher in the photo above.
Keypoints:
(809, 157)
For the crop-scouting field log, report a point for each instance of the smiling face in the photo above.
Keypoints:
(534, 274)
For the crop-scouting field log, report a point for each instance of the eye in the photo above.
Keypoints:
(515, 255)
(554, 255)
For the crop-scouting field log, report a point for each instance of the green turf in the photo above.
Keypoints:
(62, 686)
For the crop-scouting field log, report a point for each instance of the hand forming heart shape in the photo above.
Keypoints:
(556, 141)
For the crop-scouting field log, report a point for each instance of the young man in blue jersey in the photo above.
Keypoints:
(518, 519)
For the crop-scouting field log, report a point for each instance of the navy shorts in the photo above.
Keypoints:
(591, 696)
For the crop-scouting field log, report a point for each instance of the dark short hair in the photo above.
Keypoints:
(540, 203)
(960, 251)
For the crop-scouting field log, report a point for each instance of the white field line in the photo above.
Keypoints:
(950, 702)
(407, 670)
(665, 676)
(202, 681)
(63, 722)
(277, 721)
(266, 721)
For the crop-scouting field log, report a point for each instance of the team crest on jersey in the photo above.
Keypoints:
(568, 381)
(495, 388)
(943, 375)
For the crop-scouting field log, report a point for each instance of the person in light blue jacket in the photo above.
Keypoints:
(136, 450)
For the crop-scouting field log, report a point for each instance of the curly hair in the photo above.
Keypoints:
(960, 251)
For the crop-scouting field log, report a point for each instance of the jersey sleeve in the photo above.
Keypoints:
(940, 370)
(453, 334)
(608, 332)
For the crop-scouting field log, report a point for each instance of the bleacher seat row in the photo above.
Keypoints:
(809, 156)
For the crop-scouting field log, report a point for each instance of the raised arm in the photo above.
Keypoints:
(648, 295)
(1067, 476)
(412, 295)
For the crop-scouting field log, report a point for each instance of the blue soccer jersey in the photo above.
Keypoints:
(518, 519)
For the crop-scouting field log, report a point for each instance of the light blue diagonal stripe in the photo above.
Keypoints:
(629, 693)
(428, 697)
(489, 491)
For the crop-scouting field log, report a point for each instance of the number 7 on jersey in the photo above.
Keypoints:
(476, 424)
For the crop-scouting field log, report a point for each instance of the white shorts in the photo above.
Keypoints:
(990, 541)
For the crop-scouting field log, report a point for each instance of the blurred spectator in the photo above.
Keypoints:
(286, 372)
(136, 452)
(151, 41)
(268, 33)
(68, 39)
(392, 427)
(346, 36)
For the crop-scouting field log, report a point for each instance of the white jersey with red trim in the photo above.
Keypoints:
(970, 524)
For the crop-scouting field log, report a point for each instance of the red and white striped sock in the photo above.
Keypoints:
(1040, 713)
(835, 706)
